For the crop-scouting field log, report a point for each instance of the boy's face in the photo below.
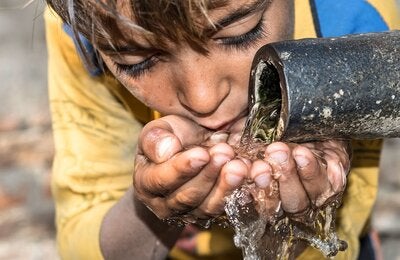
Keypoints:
(212, 88)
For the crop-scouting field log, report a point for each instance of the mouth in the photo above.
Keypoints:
(227, 125)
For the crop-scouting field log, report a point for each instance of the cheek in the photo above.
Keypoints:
(154, 92)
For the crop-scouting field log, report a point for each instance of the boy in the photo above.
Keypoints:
(190, 61)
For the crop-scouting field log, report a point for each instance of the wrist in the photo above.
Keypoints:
(131, 231)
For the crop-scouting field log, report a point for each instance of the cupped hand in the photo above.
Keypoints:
(308, 174)
(176, 175)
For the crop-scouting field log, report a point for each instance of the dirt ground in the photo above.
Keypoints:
(26, 146)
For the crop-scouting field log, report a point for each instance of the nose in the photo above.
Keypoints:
(202, 83)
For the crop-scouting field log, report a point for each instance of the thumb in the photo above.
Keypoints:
(163, 138)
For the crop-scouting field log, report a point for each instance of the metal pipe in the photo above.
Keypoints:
(346, 87)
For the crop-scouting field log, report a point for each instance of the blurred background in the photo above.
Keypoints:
(26, 145)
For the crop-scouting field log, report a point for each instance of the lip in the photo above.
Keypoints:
(225, 126)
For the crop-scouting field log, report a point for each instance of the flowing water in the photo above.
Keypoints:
(262, 229)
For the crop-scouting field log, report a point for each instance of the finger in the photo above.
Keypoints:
(342, 155)
(215, 138)
(312, 173)
(158, 144)
(292, 193)
(193, 192)
(341, 145)
(232, 175)
(154, 142)
(261, 173)
(162, 179)
(335, 171)
(336, 178)
(187, 244)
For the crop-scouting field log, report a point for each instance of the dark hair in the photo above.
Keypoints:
(158, 20)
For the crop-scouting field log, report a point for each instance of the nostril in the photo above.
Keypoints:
(196, 111)
(202, 102)
(200, 89)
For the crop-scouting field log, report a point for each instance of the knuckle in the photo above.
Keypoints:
(323, 198)
(146, 181)
(333, 161)
(156, 188)
(180, 208)
(209, 176)
(308, 175)
(140, 195)
(211, 212)
(187, 173)
(156, 205)
(184, 202)
(160, 187)
(161, 212)
(211, 209)
(288, 169)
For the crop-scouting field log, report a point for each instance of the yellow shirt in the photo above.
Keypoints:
(96, 124)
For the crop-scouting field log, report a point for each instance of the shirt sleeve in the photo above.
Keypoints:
(95, 137)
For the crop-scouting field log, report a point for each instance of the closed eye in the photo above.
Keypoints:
(245, 40)
(139, 69)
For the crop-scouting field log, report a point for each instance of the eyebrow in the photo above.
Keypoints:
(242, 12)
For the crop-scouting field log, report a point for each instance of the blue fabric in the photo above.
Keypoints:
(341, 17)
(94, 69)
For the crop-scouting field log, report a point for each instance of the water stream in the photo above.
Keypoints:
(262, 229)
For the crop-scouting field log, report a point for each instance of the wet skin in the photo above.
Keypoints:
(181, 166)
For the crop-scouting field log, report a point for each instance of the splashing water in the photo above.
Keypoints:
(262, 229)
(267, 233)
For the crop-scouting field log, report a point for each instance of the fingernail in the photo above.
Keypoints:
(196, 164)
(279, 157)
(233, 179)
(301, 161)
(163, 147)
(262, 180)
(219, 137)
(220, 159)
